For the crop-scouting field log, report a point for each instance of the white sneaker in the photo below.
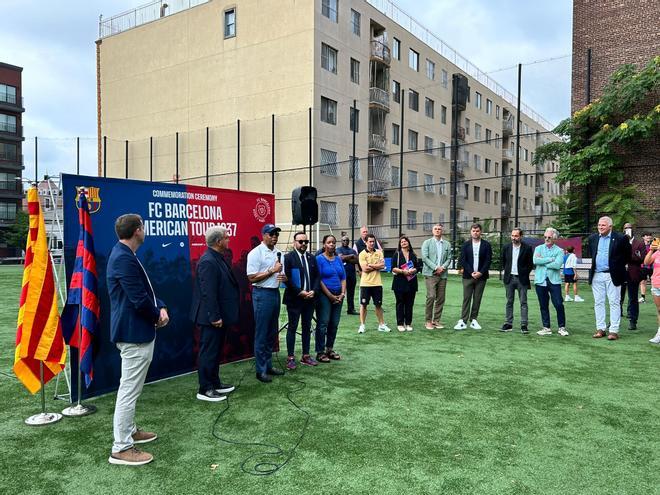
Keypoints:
(401, 328)
(642, 300)
(563, 332)
(568, 298)
(460, 325)
(544, 331)
(383, 328)
(361, 329)
(409, 328)
(656, 339)
(578, 299)
(475, 324)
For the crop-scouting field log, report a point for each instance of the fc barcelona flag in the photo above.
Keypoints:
(83, 293)
(39, 333)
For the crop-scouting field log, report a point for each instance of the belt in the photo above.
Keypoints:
(604, 271)
(264, 288)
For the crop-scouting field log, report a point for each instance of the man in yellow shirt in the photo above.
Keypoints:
(371, 285)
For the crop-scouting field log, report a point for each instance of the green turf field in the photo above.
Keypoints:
(425, 412)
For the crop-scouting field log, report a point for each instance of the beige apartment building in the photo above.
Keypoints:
(236, 89)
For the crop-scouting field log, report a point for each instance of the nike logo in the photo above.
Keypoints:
(165, 244)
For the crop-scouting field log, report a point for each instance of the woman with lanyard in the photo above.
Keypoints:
(404, 283)
(333, 291)
(548, 260)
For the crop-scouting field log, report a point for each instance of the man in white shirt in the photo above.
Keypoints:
(475, 259)
(517, 262)
(265, 272)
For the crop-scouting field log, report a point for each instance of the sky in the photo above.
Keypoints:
(54, 43)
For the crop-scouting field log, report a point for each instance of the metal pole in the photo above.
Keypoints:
(36, 159)
(587, 192)
(352, 207)
(403, 97)
(207, 156)
(105, 156)
(454, 177)
(517, 198)
(177, 158)
(43, 391)
(272, 153)
(78, 156)
(309, 118)
(151, 159)
(238, 155)
(126, 158)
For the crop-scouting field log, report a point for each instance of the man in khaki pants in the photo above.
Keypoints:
(436, 257)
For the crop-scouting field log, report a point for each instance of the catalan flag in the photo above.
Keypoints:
(83, 294)
(39, 333)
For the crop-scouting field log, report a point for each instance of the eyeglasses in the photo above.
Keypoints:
(302, 242)
(548, 238)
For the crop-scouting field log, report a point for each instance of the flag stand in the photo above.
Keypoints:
(79, 409)
(43, 418)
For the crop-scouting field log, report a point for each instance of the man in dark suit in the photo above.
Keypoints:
(634, 276)
(475, 259)
(303, 283)
(215, 305)
(517, 260)
(610, 253)
(135, 314)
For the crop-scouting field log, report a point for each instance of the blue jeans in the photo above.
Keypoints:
(328, 320)
(551, 291)
(266, 304)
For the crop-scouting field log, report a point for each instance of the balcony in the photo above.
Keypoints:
(506, 210)
(379, 97)
(381, 52)
(538, 190)
(538, 211)
(378, 142)
(381, 232)
(380, 176)
(460, 135)
(507, 126)
(507, 182)
(507, 155)
(460, 201)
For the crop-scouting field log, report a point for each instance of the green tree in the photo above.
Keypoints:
(16, 235)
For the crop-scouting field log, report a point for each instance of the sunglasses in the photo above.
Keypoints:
(302, 242)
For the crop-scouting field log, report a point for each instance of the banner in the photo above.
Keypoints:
(176, 217)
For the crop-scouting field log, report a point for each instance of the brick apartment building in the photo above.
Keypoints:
(606, 35)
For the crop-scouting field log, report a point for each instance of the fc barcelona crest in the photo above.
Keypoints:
(93, 197)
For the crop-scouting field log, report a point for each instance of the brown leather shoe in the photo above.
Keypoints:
(599, 334)
(142, 436)
(130, 457)
(613, 336)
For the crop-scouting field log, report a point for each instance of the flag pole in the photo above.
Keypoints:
(43, 418)
(79, 409)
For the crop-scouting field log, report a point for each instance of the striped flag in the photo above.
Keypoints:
(83, 292)
(39, 332)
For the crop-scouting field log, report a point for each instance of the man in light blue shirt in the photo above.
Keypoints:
(603, 255)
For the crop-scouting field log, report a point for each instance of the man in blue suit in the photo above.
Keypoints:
(303, 283)
(214, 308)
(135, 314)
(476, 256)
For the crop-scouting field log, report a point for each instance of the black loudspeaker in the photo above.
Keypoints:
(461, 90)
(304, 208)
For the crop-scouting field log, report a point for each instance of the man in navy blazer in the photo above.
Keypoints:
(135, 314)
(610, 253)
(517, 263)
(475, 259)
(215, 304)
(303, 283)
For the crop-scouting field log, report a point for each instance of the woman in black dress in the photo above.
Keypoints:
(404, 283)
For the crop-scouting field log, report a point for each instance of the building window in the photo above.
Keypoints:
(395, 176)
(430, 69)
(329, 213)
(355, 120)
(329, 9)
(7, 93)
(477, 193)
(7, 123)
(467, 191)
(354, 170)
(328, 110)
(7, 211)
(395, 134)
(412, 140)
(444, 78)
(8, 182)
(427, 221)
(428, 183)
(429, 107)
(355, 22)
(443, 114)
(487, 196)
(355, 71)
(466, 158)
(489, 106)
(413, 60)
(411, 219)
(526, 154)
(488, 136)
(497, 141)
(230, 23)
(8, 151)
(413, 100)
(496, 195)
(394, 218)
(328, 58)
(412, 180)
(442, 186)
(329, 165)
(428, 145)
(487, 165)
(477, 99)
(396, 49)
(525, 175)
(477, 162)
(353, 215)
(467, 126)
(497, 111)
(396, 91)
(477, 131)
(443, 149)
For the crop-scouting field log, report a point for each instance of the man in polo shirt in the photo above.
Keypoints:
(265, 272)
(371, 285)
(349, 258)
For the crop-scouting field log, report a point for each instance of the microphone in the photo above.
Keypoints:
(279, 257)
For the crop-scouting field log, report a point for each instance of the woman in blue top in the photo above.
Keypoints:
(548, 260)
(333, 291)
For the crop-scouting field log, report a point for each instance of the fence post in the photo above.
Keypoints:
(105, 156)
(151, 159)
(177, 158)
(126, 158)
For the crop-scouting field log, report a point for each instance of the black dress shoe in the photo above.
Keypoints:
(632, 325)
(263, 377)
(354, 313)
(274, 372)
(523, 329)
(506, 328)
